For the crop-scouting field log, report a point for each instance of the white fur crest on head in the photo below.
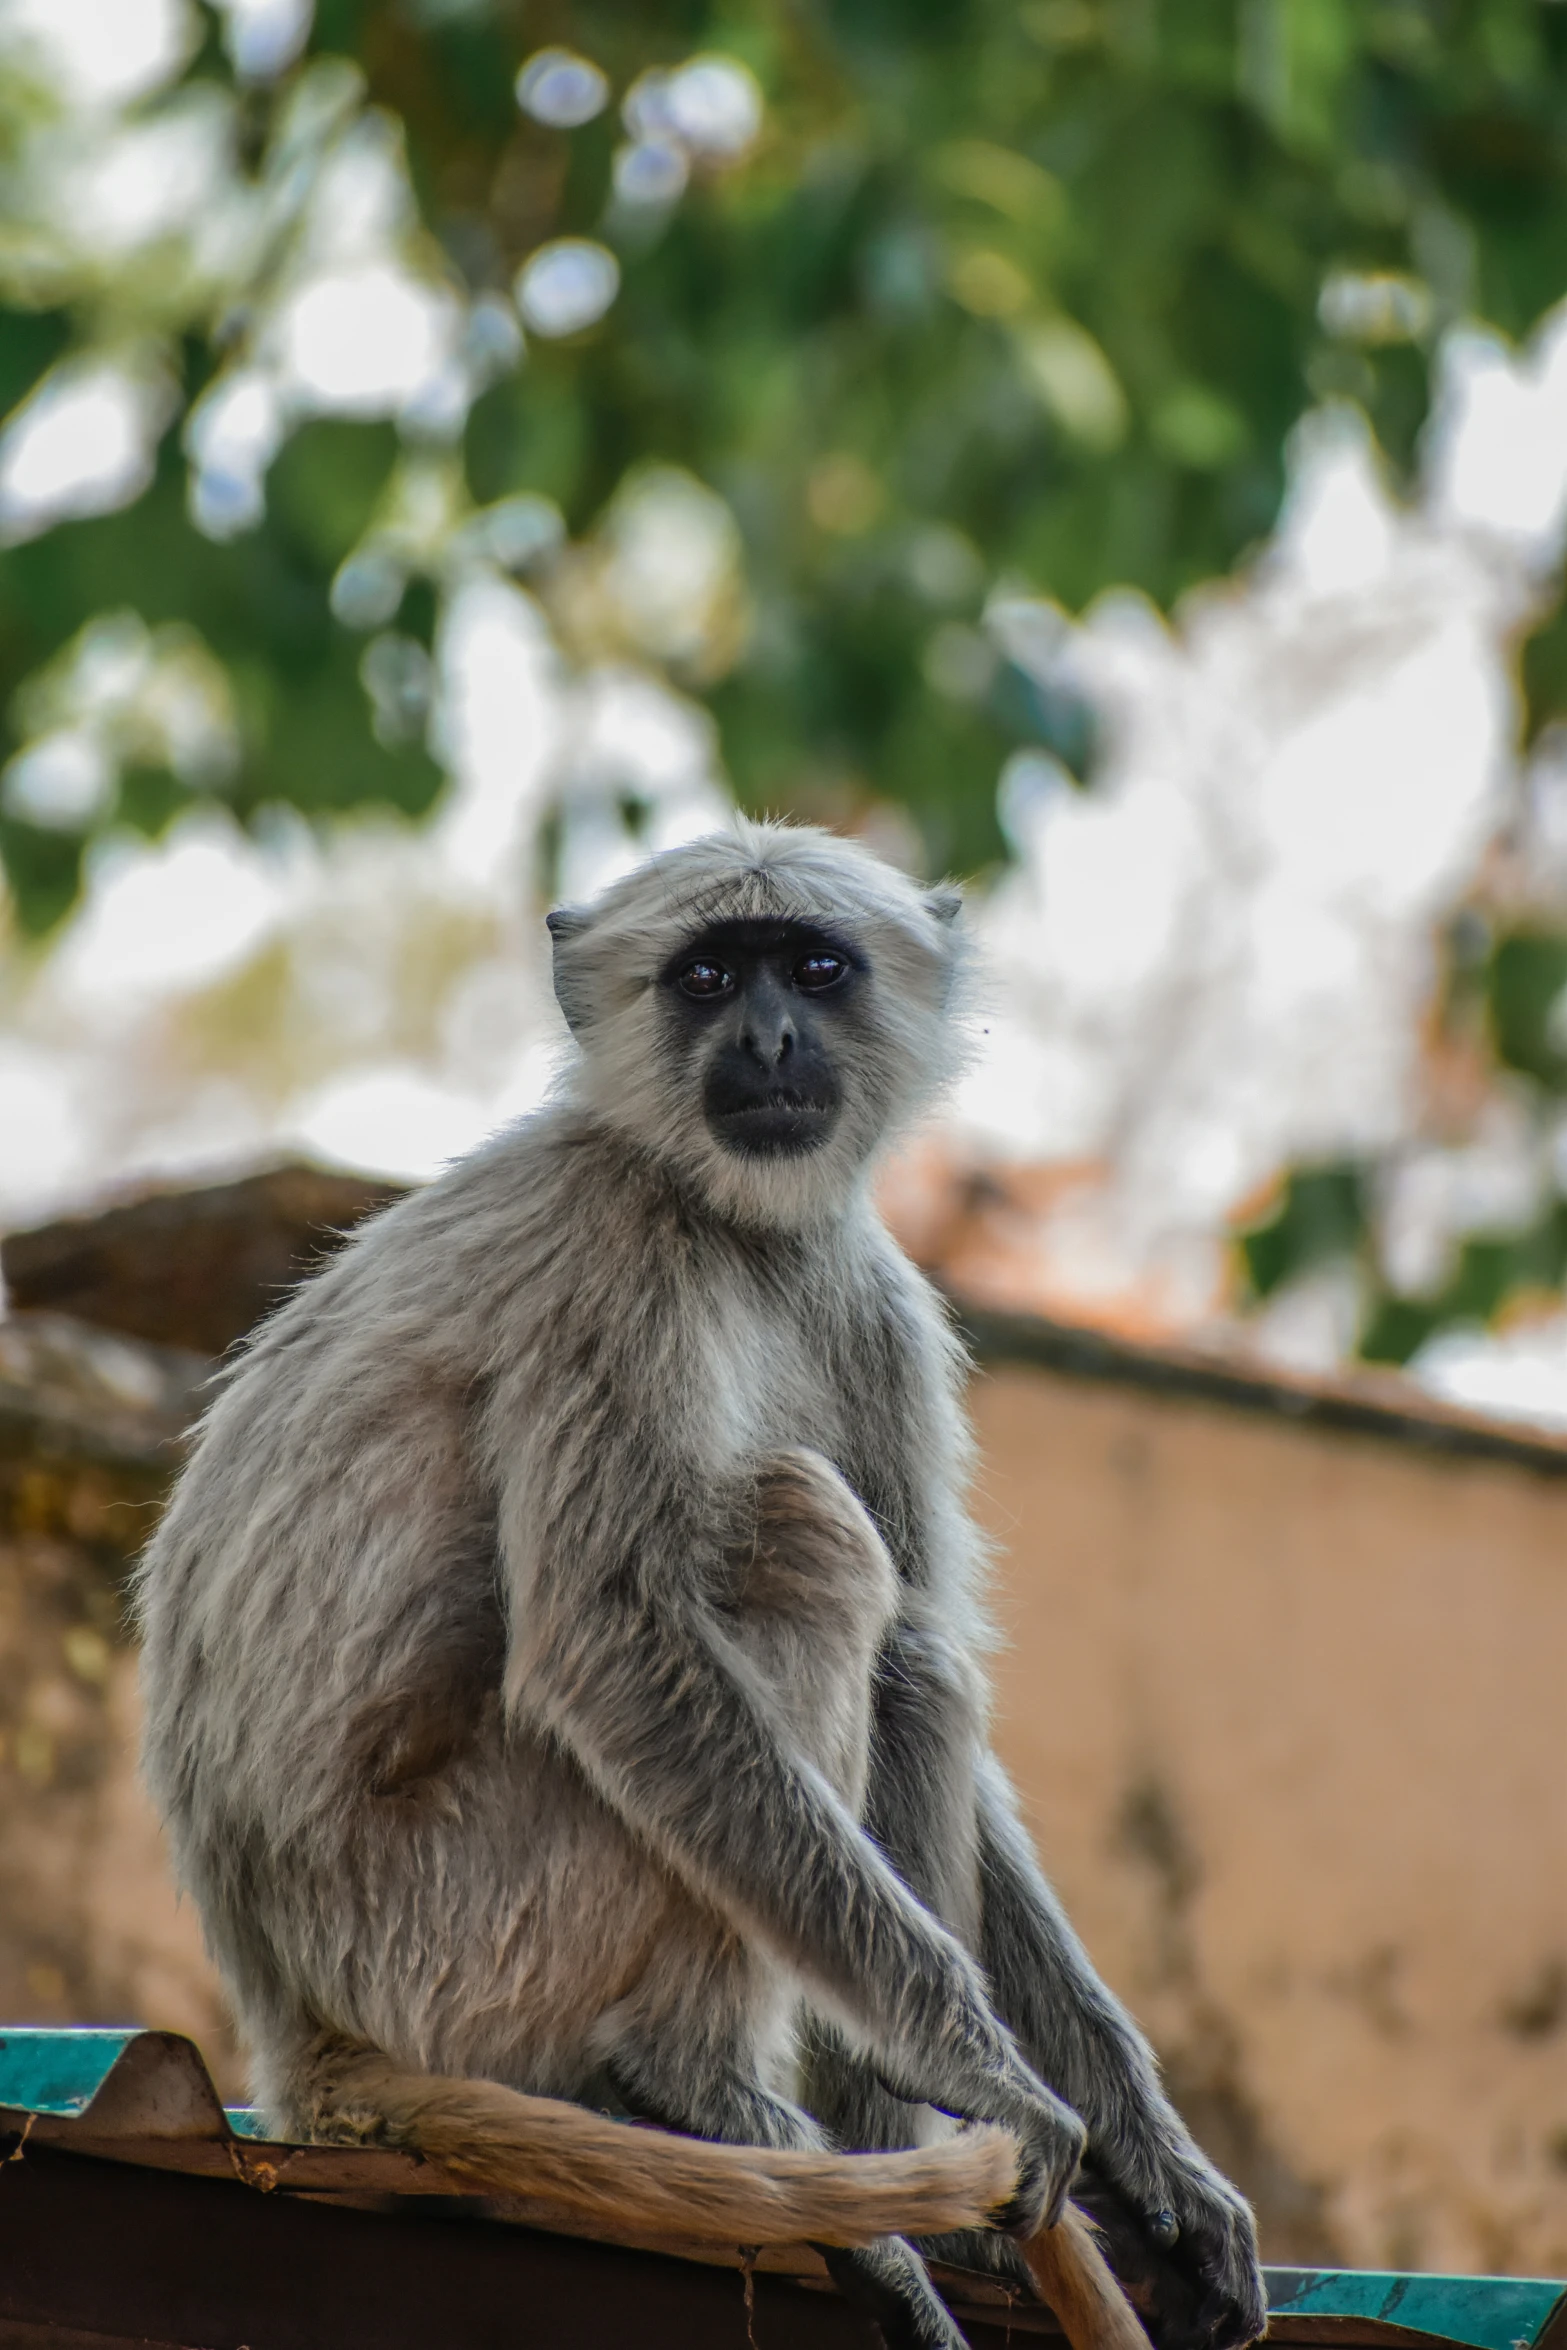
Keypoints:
(609, 957)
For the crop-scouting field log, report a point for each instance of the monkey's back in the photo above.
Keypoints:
(324, 1629)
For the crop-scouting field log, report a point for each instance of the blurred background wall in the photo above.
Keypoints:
(1112, 449)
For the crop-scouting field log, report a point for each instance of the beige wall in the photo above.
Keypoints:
(1287, 1708)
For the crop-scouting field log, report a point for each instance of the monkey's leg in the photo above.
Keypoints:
(697, 2073)
(920, 1810)
(1174, 2223)
(857, 2109)
(819, 1600)
(889, 2282)
(920, 1807)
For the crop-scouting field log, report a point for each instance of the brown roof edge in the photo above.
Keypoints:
(1381, 1405)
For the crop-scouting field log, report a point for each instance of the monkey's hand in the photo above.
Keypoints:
(1052, 2140)
(1179, 2236)
(971, 2067)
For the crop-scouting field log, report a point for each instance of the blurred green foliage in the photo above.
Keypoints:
(1011, 291)
(1007, 291)
(1323, 1217)
(1525, 979)
(260, 603)
(1319, 1217)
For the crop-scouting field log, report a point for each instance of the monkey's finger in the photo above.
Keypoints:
(1227, 2321)
(1075, 2279)
(889, 2282)
(1056, 2207)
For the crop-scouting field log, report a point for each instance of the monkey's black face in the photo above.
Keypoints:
(760, 1004)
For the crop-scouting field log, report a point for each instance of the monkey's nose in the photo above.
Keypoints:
(768, 1041)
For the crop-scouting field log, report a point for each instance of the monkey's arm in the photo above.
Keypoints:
(617, 1657)
(1080, 2038)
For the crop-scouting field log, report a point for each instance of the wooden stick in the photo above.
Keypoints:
(1077, 2282)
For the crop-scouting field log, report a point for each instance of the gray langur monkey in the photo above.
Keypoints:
(562, 1650)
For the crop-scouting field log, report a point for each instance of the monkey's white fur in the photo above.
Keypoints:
(561, 1578)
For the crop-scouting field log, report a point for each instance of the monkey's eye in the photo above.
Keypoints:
(818, 971)
(702, 978)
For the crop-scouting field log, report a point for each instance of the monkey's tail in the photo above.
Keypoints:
(634, 2181)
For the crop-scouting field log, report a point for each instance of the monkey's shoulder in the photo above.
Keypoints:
(442, 1262)
(558, 1261)
(886, 1305)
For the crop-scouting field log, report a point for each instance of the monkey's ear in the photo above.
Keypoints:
(946, 903)
(564, 924)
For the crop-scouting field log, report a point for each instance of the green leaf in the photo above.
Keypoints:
(1320, 1219)
(1527, 977)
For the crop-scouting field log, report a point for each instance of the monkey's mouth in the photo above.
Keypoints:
(775, 1123)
